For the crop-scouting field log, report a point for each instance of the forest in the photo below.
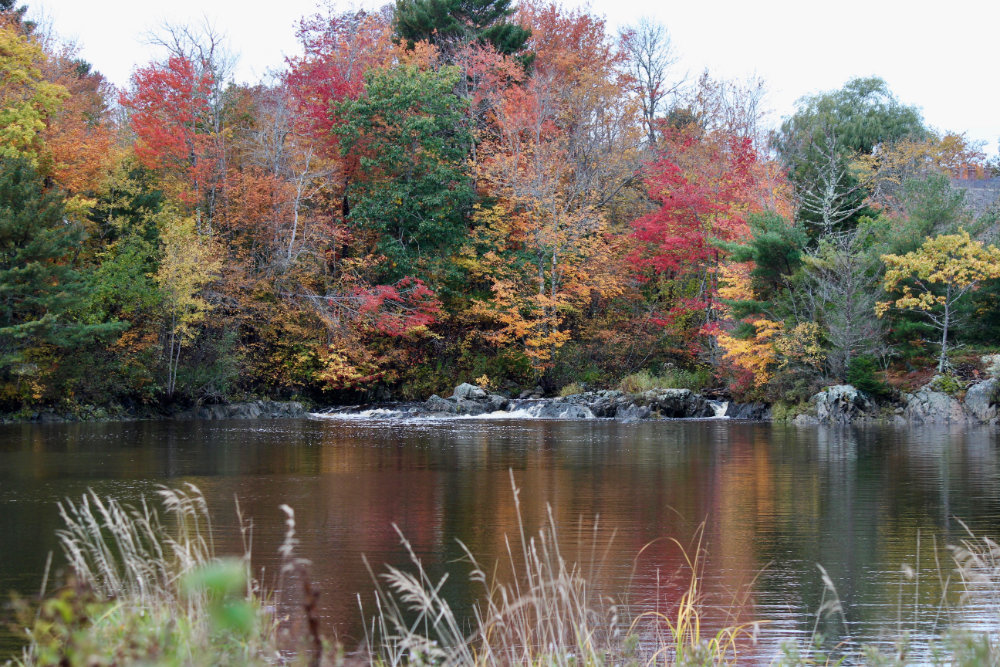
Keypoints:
(468, 190)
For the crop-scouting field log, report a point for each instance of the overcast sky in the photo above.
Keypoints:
(938, 56)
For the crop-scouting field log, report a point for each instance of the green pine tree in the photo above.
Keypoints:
(39, 286)
(451, 23)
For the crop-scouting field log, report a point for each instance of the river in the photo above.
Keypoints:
(774, 501)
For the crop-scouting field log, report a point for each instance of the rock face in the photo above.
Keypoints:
(751, 411)
(842, 404)
(981, 401)
(467, 399)
(248, 410)
(627, 414)
(927, 406)
(470, 400)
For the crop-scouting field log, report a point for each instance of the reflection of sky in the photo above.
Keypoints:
(775, 501)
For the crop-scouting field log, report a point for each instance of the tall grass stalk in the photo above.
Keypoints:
(149, 591)
(546, 613)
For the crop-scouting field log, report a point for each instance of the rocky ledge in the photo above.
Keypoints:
(247, 410)
(844, 404)
(472, 401)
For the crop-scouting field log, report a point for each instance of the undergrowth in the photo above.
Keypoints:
(146, 591)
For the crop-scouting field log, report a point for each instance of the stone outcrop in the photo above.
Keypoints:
(247, 410)
(749, 411)
(470, 400)
(928, 406)
(842, 404)
(981, 401)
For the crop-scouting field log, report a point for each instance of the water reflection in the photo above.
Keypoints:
(774, 500)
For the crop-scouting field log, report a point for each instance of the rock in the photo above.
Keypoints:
(437, 404)
(525, 394)
(246, 410)
(805, 420)
(980, 400)
(842, 404)
(627, 414)
(927, 406)
(562, 410)
(678, 403)
(469, 392)
(991, 362)
(750, 411)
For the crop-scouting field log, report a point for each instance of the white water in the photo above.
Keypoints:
(720, 408)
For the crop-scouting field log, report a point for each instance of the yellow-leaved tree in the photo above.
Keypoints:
(936, 276)
(188, 264)
(26, 98)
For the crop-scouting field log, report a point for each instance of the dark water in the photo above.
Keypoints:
(774, 500)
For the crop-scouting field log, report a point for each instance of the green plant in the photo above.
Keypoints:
(668, 378)
(148, 592)
(571, 389)
(947, 383)
(862, 375)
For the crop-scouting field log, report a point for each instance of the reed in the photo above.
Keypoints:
(547, 613)
(149, 591)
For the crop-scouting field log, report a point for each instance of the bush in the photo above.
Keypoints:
(669, 378)
(863, 374)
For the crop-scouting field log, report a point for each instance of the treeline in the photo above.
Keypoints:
(452, 190)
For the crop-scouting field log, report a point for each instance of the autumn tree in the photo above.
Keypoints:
(560, 148)
(169, 114)
(188, 264)
(933, 279)
(650, 59)
(27, 98)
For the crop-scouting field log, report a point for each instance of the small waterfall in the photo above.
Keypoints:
(720, 408)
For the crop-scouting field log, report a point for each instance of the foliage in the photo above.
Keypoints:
(862, 373)
(145, 591)
(412, 193)
(188, 264)
(932, 279)
(27, 99)
(667, 378)
(449, 24)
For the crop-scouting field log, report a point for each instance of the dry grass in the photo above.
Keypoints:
(148, 591)
(547, 614)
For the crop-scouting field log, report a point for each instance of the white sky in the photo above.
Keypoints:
(941, 57)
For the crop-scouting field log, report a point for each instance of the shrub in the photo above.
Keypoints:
(862, 374)
(669, 378)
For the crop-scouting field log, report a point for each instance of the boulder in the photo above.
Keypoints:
(805, 420)
(564, 410)
(627, 414)
(980, 400)
(991, 362)
(842, 404)
(749, 411)
(248, 410)
(927, 406)
(468, 392)
(678, 403)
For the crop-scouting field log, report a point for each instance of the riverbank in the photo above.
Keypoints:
(256, 409)
(938, 402)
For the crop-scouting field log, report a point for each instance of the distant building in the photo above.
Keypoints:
(982, 191)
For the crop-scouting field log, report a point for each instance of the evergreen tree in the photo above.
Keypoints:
(409, 132)
(39, 287)
(451, 23)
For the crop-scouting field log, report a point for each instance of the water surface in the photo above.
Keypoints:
(774, 501)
